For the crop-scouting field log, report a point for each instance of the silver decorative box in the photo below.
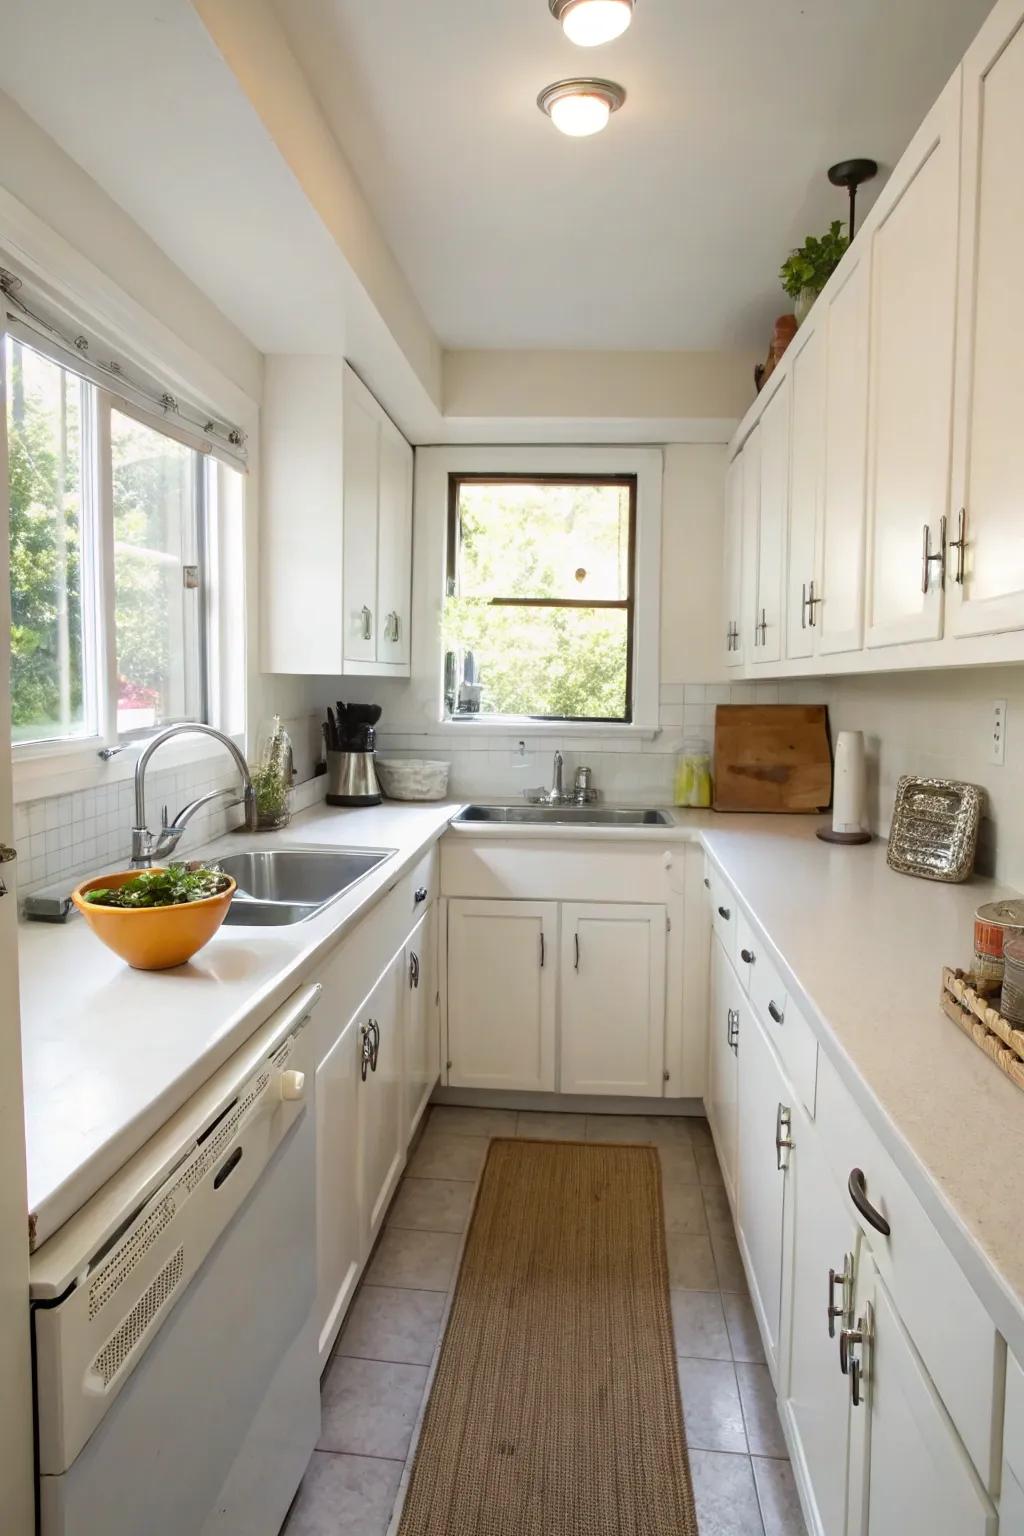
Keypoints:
(934, 830)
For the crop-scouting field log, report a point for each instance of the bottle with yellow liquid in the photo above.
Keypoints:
(693, 774)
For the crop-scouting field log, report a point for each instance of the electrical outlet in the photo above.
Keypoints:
(997, 747)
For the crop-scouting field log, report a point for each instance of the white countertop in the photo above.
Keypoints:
(110, 1053)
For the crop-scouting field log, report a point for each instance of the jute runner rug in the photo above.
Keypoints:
(555, 1407)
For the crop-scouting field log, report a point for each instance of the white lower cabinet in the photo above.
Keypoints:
(382, 1139)
(339, 1229)
(612, 999)
(908, 1468)
(726, 1003)
(502, 979)
(422, 1052)
(763, 1161)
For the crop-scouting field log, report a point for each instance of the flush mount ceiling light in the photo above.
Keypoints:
(590, 22)
(581, 107)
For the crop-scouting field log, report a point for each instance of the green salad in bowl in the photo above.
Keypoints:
(171, 887)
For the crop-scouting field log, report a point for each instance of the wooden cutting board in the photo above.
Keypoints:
(772, 757)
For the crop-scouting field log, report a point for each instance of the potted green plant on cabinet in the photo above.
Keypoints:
(808, 268)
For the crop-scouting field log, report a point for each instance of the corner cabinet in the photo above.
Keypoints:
(336, 528)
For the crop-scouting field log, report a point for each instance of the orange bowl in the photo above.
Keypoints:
(152, 938)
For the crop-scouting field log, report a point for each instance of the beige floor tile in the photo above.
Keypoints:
(760, 1414)
(459, 1120)
(724, 1492)
(711, 1405)
(699, 1325)
(344, 1496)
(418, 1261)
(678, 1165)
(780, 1503)
(397, 1325)
(744, 1334)
(441, 1156)
(716, 1204)
(707, 1164)
(433, 1205)
(370, 1407)
(728, 1264)
(691, 1266)
(658, 1130)
(550, 1125)
(700, 1131)
(684, 1208)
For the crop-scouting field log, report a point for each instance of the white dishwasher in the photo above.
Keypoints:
(177, 1388)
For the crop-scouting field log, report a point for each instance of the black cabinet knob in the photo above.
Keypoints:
(420, 893)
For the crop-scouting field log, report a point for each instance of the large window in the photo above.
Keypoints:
(108, 538)
(539, 612)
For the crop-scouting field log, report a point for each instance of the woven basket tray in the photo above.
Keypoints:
(968, 1002)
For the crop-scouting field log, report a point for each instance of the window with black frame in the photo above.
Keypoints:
(539, 613)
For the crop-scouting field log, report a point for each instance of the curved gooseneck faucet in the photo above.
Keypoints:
(147, 846)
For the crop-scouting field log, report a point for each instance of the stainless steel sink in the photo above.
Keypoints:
(564, 816)
(280, 886)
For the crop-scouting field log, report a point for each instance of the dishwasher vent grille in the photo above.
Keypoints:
(121, 1343)
(209, 1153)
(132, 1250)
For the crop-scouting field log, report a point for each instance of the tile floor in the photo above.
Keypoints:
(372, 1392)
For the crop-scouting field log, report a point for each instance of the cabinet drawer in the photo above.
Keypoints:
(723, 913)
(420, 884)
(784, 1024)
(746, 950)
(1013, 1425)
(951, 1330)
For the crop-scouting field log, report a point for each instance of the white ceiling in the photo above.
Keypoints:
(667, 230)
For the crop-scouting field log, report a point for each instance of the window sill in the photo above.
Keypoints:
(39, 774)
(523, 725)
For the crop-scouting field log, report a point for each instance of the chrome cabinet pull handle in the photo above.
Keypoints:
(367, 623)
(732, 1034)
(845, 1280)
(775, 1012)
(365, 1051)
(783, 1139)
(576, 942)
(857, 1186)
(414, 970)
(803, 605)
(419, 894)
(542, 950)
(850, 1362)
(928, 558)
(960, 545)
(812, 602)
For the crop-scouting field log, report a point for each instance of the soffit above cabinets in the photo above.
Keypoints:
(667, 230)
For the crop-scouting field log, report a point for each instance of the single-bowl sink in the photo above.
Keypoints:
(564, 815)
(281, 886)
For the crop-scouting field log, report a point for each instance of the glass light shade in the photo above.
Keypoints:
(591, 22)
(580, 115)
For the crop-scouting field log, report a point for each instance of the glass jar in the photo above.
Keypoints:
(272, 778)
(693, 774)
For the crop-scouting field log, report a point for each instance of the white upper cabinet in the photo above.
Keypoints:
(806, 459)
(913, 324)
(732, 569)
(844, 323)
(985, 576)
(773, 513)
(750, 529)
(336, 532)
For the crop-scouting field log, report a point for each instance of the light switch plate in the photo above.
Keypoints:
(997, 747)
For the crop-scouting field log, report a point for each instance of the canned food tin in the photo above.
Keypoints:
(994, 925)
(1011, 1002)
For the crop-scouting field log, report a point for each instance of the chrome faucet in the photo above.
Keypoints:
(147, 846)
(557, 792)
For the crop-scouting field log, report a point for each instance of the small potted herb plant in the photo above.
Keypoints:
(807, 269)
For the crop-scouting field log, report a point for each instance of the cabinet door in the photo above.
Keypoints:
(382, 1141)
(913, 322)
(765, 1113)
(750, 532)
(339, 1235)
(807, 451)
(821, 1236)
(773, 515)
(502, 959)
(733, 629)
(985, 580)
(361, 479)
(724, 1026)
(841, 561)
(908, 1468)
(394, 546)
(422, 1055)
(613, 999)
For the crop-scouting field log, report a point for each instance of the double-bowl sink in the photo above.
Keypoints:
(281, 886)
